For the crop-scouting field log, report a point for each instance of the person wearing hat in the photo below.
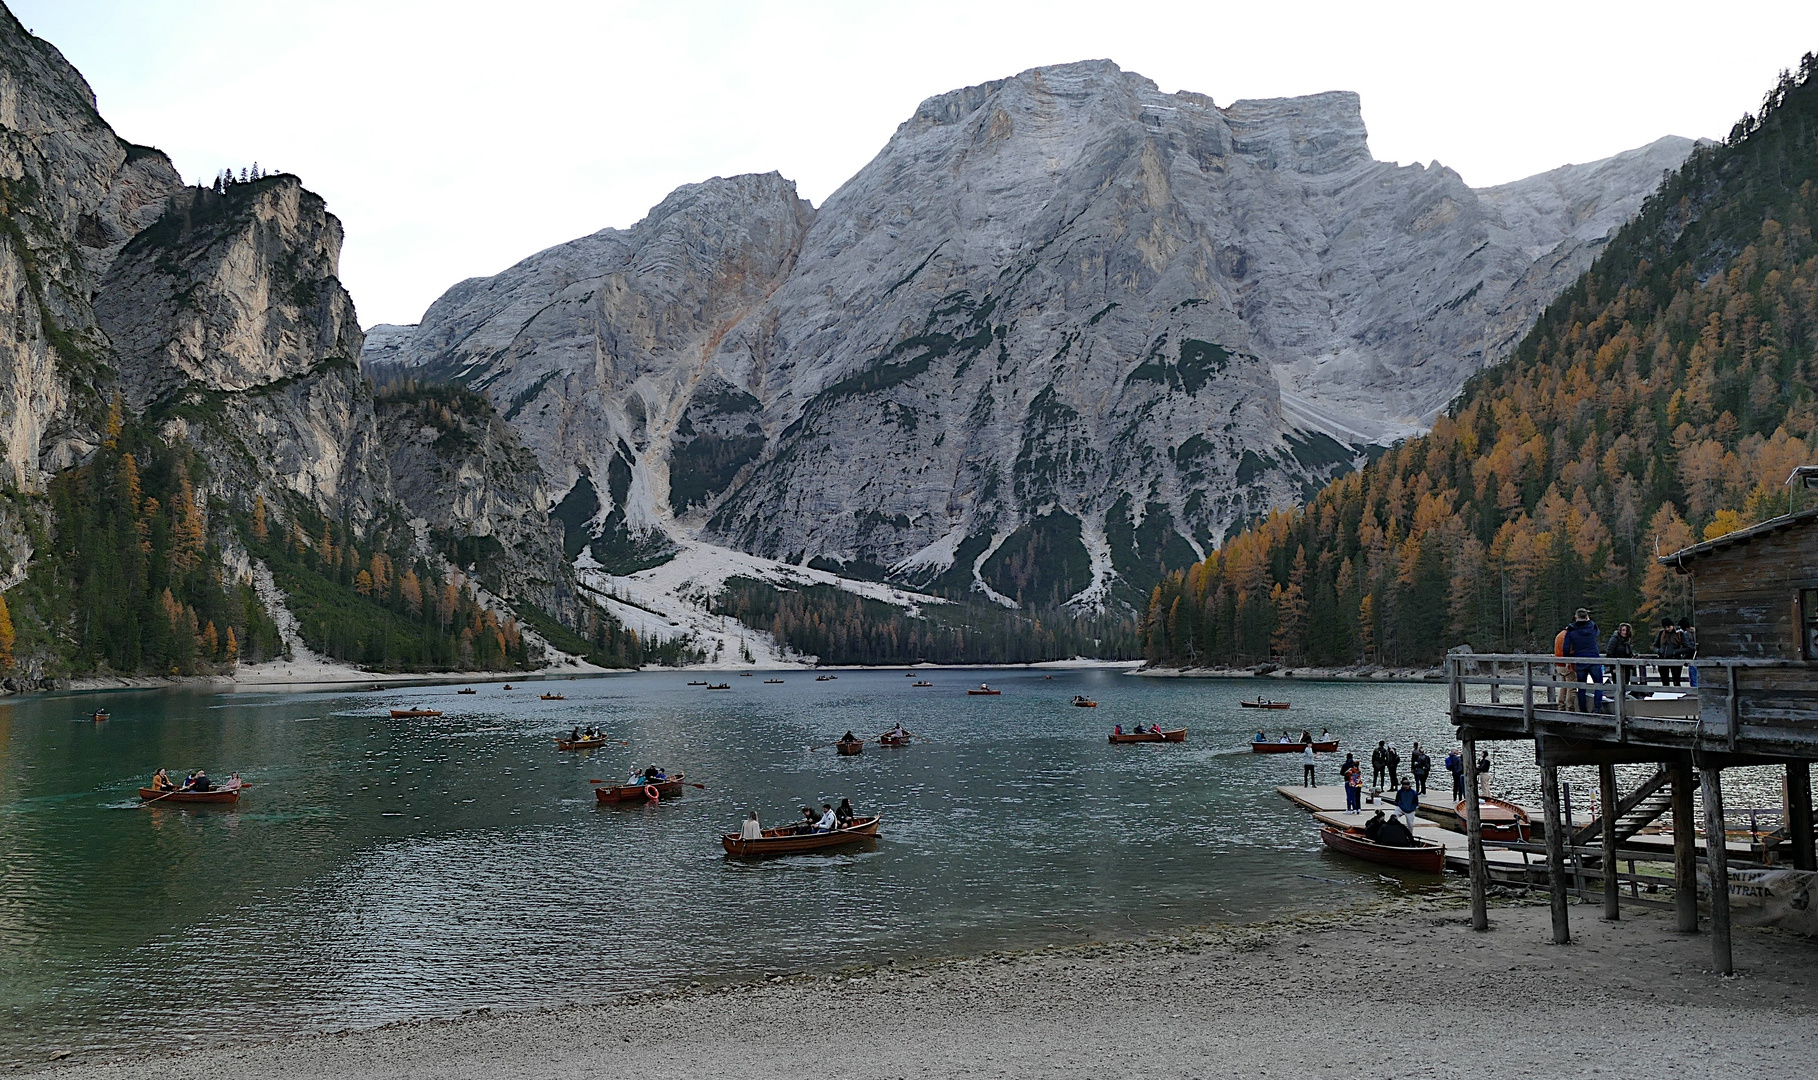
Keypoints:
(1407, 800)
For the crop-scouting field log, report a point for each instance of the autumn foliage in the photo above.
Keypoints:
(1663, 399)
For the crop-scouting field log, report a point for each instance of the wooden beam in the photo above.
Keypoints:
(1556, 845)
(1480, 866)
(1717, 857)
(1799, 814)
(1685, 850)
(1606, 792)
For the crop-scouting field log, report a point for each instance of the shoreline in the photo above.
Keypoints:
(1257, 998)
(1368, 673)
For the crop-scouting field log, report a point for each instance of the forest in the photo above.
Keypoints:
(1663, 399)
(128, 578)
(841, 627)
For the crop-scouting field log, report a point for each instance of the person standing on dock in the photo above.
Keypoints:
(1581, 642)
(1421, 766)
(1306, 765)
(1353, 774)
(1378, 764)
(1392, 762)
(1455, 764)
(1407, 800)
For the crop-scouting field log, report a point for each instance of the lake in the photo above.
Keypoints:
(380, 869)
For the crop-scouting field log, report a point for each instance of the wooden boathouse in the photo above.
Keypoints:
(1755, 610)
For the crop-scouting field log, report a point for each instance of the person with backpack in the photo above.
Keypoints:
(1666, 647)
(1688, 649)
(1581, 641)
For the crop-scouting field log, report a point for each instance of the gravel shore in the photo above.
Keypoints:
(1400, 993)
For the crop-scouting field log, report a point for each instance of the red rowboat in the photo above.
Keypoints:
(1426, 856)
(1502, 820)
(1292, 747)
(581, 744)
(624, 793)
(984, 690)
(1177, 735)
(222, 795)
(789, 842)
(406, 714)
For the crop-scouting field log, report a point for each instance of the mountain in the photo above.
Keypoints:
(198, 473)
(1667, 395)
(1063, 333)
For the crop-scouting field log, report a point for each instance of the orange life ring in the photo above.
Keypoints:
(653, 793)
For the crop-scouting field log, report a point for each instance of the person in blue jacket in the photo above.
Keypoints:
(1407, 800)
(1581, 641)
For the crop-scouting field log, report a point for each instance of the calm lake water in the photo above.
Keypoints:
(382, 869)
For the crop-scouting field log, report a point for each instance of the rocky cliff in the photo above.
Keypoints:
(1063, 331)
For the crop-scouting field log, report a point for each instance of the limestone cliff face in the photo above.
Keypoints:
(457, 468)
(1064, 330)
(226, 314)
(71, 194)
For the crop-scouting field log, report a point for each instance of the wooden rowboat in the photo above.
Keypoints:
(639, 793)
(221, 795)
(1426, 856)
(100, 716)
(1502, 820)
(849, 749)
(1292, 747)
(1177, 735)
(772, 682)
(407, 714)
(984, 690)
(469, 690)
(893, 740)
(582, 744)
(923, 682)
(789, 842)
(1259, 703)
(1084, 703)
(554, 697)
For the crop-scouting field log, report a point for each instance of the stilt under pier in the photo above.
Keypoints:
(1717, 855)
(1685, 850)
(1480, 867)
(1556, 844)
(1606, 791)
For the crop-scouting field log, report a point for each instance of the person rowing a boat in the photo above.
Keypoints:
(198, 781)
(161, 781)
(806, 825)
(575, 735)
(848, 739)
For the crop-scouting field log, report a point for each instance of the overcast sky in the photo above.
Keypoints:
(454, 138)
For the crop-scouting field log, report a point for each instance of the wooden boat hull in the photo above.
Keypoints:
(1085, 704)
(1426, 857)
(1501, 819)
(554, 697)
(783, 842)
(1266, 704)
(224, 796)
(1177, 735)
(1292, 747)
(893, 740)
(411, 714)
(849, 749)
(581, 744)
(466, 691)
(612, 794)
(985, 693)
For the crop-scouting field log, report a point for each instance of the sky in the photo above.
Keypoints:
(454, 138)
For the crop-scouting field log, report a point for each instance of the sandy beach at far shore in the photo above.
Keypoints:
(1399, 992)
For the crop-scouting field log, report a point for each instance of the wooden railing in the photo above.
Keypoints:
(1530, 684)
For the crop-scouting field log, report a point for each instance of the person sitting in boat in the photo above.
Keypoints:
(1306, 737)
(654, 775)
(575, 735)
(751, 830)
(1118, 729)
(234, 783)
(1373, 827)
(806, 825)
(1261, 737)
(1155, 729)
(829, 820)
(198, 781)
(161, 781)
(843, 813)
(1325, 734)
(1394, 834)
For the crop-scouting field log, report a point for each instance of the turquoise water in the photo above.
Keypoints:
(382, 869)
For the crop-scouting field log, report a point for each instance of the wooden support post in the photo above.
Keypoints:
(1685, 850)
(1717, 856)
(1606, 784)
(1480, 867)
(1799, 814)
(1556, 845)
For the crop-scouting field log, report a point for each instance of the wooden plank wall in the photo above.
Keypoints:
(1745, 601)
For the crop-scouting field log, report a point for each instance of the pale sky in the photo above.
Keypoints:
(454, 138)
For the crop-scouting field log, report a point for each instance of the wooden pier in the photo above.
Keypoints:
(1755, 703)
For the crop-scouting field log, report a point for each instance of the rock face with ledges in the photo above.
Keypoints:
(1063, 331)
